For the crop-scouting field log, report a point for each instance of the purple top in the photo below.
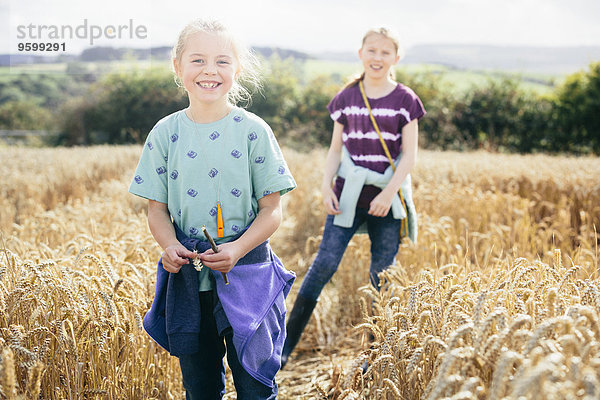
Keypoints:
(392, 112)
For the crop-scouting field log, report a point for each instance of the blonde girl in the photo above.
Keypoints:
(217, 167)
(364, 195)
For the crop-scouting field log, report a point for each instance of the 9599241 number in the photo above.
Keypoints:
(42, 46)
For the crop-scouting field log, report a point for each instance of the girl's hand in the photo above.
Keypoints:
(380, 205)
(176, 256)
(330, 200)
(224, 260)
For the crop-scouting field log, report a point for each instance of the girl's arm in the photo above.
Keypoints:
(332, 163)
(175, 254)
(381, 204)
(266, 223)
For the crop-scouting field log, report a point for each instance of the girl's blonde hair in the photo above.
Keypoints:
(388, 34)
(247, 79)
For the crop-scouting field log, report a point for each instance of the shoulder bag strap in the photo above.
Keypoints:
(374, 122)
(385, 149)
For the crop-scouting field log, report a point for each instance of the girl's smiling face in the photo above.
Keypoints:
(378, 55)
(207, 67)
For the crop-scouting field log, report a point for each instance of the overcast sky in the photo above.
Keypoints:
(317, 25)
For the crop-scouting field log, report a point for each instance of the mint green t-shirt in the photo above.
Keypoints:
(191, 167)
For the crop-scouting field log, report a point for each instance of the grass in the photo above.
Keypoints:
(484, 292)
(455, 79)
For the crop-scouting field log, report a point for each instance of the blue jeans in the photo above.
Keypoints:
(203, 372)
(384, 233)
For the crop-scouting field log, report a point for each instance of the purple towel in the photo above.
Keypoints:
(254, 305)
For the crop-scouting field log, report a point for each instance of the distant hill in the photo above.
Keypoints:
(551, 60)
(282, 53)
(105, 53)
(109, 53)
(531, 59)
(22, 59)
(545, 60)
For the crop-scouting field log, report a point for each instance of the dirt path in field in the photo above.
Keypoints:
(307, 372)
(302, 375)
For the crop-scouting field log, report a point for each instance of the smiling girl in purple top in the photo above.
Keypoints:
(397, 109)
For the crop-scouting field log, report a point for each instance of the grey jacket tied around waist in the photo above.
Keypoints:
(355, 177)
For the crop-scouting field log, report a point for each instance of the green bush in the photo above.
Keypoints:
(47, 90)
(279, 96)
(122, 108)
(73, 130)
(312, 120)
(24, 115)
(577, 112)
(500, 115)
(436, 130)
(296, 111)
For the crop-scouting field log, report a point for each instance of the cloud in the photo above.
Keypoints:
(335, 25)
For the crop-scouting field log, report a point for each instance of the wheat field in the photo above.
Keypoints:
(499, 299)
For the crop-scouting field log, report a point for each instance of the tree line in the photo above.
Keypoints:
(121, 108)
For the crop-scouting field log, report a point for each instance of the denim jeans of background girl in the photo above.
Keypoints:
(384, 233)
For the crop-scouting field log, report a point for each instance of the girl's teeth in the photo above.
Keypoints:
(208, 85)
